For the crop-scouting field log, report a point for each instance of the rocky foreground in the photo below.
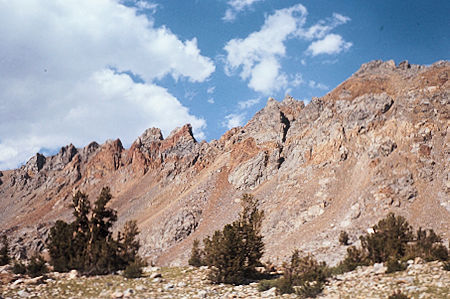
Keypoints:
(420, 280)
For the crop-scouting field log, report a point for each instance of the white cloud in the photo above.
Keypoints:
(146, 6)
(211, 101)
(257, 58)
(317, 85)
(249, 103)
(258, 54)
(322, 27)
(236, 6)
(57, 84)
(330, 44)
(211, 90)
(190, 94)
(265, 76)
(297, 80)
(233, 120)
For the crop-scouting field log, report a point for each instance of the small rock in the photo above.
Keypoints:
(378, 268)
(202, 294)
(157, 279)
(23, 294)
(72, 274)
(128, 293)
(151, 269)
(168, 287)
(35, 280)
(270, 293)
(117, 294)
(155, 275)
(17, 282)
(140, 288)
(103, 294)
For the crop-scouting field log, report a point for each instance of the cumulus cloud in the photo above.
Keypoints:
(236, 6)
(258, 54)
(257, 58)
(249, 103)
(67, 75)
(330, 44)
(233, 120)
(322, 27)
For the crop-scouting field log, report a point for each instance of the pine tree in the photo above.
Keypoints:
(60, 246)
(390, 238)
(250, 223)
(236, 251)
(36, 266)
(102, 248)
(80, 226)
(87, 244)
(196, 258)
(129, 244)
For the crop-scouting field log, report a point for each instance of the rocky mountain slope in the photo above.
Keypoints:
(379, 142)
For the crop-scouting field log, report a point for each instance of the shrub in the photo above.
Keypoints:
(308, 289)
(36, 266)
(19, 268)
(196, 258)
(343, 238)
(234, 252)
(355, 257)
(398, 295)
(304, 272)
(267, 284)
(393, 242)
(394, 265)
(438, 252)
(284, 286)
(4, 252)
(134, 270)
(390, 238)
(427, 245)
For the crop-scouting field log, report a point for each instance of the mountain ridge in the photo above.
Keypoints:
(378, 142)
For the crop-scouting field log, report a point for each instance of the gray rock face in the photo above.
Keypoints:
(251, 173)
(149, 137)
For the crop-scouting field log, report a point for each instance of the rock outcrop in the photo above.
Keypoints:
(378, 142)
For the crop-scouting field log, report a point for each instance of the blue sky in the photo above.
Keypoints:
(74, 71)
